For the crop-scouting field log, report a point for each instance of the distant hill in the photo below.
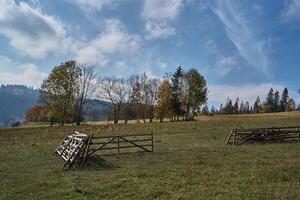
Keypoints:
(14, 101)
(97, 110)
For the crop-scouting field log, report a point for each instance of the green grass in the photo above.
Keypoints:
(191, 161)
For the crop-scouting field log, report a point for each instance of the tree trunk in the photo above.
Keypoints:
(51, 121)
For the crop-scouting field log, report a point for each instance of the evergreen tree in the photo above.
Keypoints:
(247, 107)
(221, 109)
(276, 103)
(257, 105)
(236, 106)
(284, 100)
(212, 110)
(176, 92)
(270, 101)
(205, 110)
(228, 107)
(242, 108)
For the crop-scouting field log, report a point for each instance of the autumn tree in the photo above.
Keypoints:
(59, 90)
(113, 90)
(291, 105)
(37, 113)
(196, 92)
(153, 92)
(87, 86)
(164, 102)
(128, 110)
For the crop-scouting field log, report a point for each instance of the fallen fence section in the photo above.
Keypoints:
(73, 149)
(239, 136)
(77, 147)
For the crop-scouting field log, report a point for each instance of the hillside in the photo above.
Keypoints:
(190, 161)
(14, 101)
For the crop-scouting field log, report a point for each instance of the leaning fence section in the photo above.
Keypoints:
(239, 136)
(76, 147)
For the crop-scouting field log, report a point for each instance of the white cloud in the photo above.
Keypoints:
(246, 92)
(225, 65)
(113, 40)
(291, 11)
(30, 31)
(94, 4)
(242, 34)
(158, 30)
(161, 9)
(158, 14)
(23, 74)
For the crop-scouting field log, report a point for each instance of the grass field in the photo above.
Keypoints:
(191, 161)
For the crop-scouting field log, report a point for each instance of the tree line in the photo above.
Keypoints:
(65, 92)
(274, 102)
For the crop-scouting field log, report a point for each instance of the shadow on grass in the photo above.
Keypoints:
(96, 162)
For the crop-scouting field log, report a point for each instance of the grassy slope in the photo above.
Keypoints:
(191, 161)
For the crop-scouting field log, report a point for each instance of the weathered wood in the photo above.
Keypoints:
(76, 147)
(115, 142)
(240, 136)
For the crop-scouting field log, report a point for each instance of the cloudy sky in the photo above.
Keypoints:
(241, 47)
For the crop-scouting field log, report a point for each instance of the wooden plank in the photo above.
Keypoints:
(98, 148)
(116, 142)
(127, 135)
(135, 144)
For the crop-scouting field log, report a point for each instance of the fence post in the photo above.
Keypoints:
(152, 141)
(118, 144)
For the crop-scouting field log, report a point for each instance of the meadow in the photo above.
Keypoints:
(190, 161)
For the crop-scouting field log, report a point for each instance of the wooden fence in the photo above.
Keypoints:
(120, 143)
(76, 147)
(239, 136)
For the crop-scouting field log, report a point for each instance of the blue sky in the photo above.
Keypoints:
(241, 47)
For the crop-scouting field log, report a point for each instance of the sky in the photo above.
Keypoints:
(242, 48)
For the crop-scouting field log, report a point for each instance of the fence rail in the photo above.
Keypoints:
(114, 144)
(280, 134)
(77, 147)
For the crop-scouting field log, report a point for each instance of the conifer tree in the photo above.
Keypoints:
(276, 103)
(236, 106)
(242, 108)
(247, 107)
(257, 105)
(270, 101)
(176, 92)
(284, 100)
